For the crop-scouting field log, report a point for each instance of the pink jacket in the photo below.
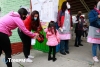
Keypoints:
(52, 39)
(11, 21)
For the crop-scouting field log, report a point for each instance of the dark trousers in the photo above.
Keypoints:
(52, 48)
(5, 45)
(26, 40)
(84, 33)
(78, 40)
(64, 46)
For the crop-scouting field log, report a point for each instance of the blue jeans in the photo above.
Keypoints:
(94, 49)
(64, 46)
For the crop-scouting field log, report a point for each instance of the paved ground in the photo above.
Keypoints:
(78, 57)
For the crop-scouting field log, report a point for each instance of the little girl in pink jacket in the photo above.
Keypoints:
(53, 40)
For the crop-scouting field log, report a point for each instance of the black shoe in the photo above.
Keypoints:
(80, 45)
(54, 59)
(76, 45)
(50, 59)
(67, 52)
(63, 53)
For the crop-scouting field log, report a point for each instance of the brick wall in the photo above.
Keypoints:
(17, 47)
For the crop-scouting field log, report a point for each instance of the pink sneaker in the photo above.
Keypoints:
(95, 59)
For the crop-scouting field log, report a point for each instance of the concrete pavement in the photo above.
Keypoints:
(78, 57)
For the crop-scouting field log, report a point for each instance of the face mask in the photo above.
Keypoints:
(23, 18)
(98, 5)
(79, 14)
(35, 18)
(68, 5)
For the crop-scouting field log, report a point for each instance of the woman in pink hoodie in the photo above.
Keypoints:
(52, 36)
(7, 23)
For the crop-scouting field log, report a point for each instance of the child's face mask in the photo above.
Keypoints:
(68, 5)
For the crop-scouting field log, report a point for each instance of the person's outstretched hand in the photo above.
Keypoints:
(36, 36)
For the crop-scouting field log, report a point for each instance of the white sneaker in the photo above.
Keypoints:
(30, 56)
(29, 60)
(95, 59)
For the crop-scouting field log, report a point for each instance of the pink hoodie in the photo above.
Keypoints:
(11, 21)
(53, 39)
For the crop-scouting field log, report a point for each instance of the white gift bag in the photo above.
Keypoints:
(33, 41)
